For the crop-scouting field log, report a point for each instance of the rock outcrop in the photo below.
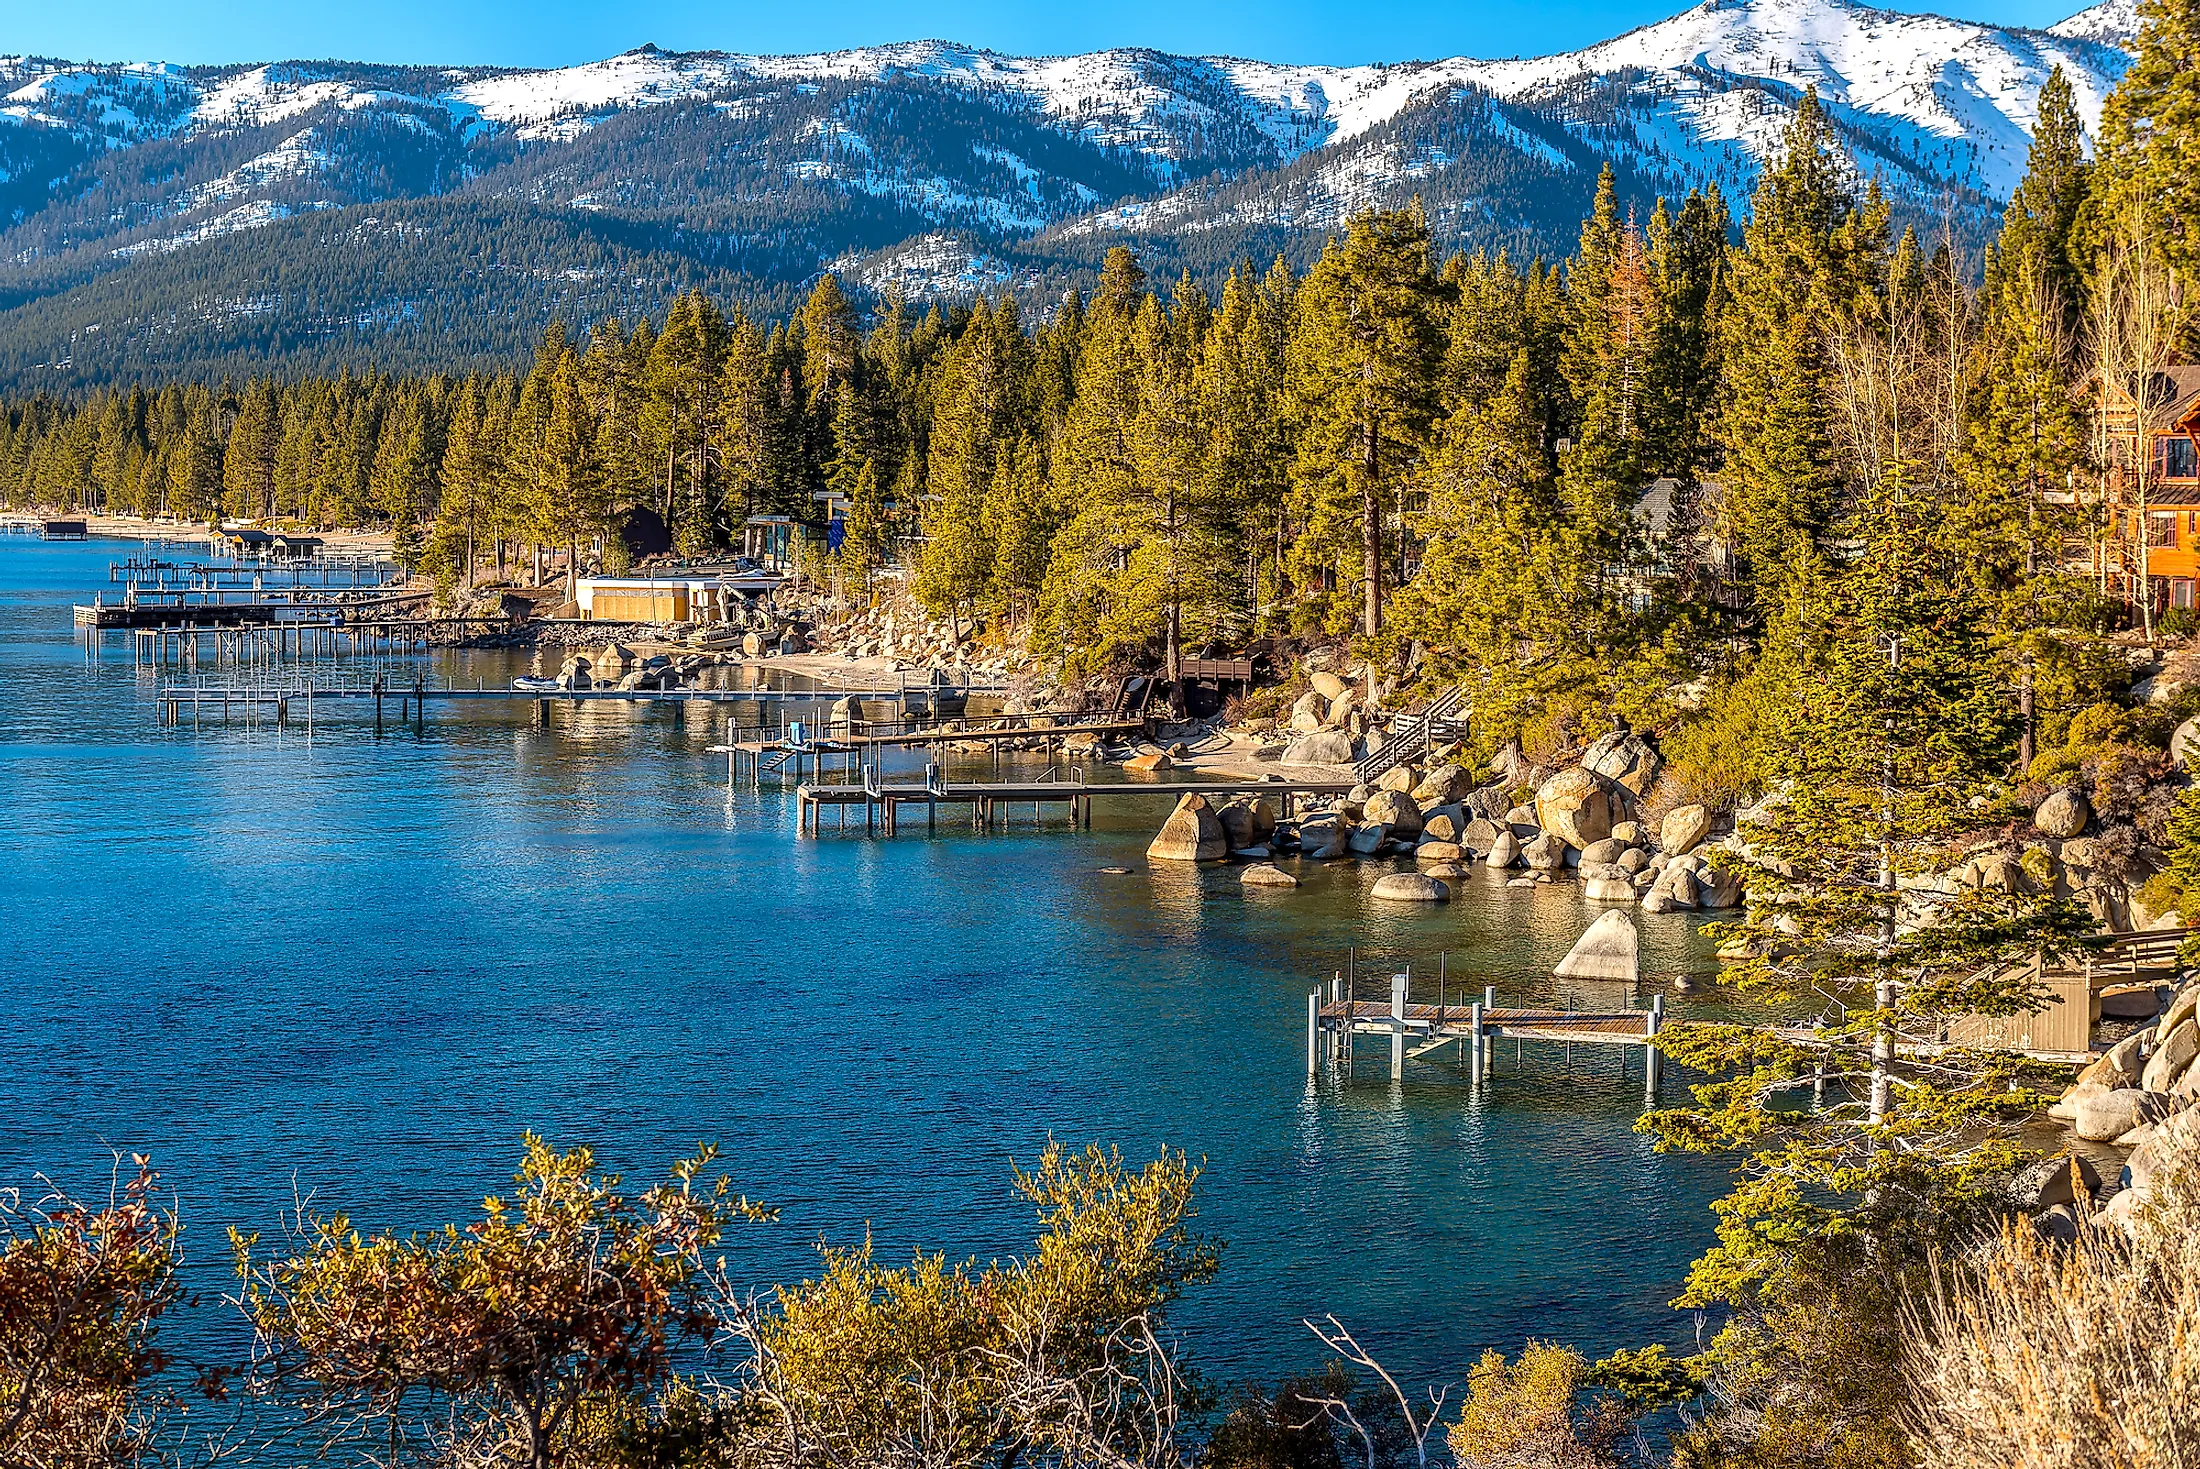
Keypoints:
(1322, 747)
(1573, 807)
(2063, 814)
(1683, 830)
(1397, 812)
(1625, 759)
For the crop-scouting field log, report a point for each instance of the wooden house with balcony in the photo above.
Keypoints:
(2159, 510)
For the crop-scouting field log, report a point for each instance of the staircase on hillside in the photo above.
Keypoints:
(1416, 733)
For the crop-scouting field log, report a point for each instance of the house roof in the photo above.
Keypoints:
(2174, 393)
(2180, 388)
(1654, 507)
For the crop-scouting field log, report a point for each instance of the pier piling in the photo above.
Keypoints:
(1398, 983)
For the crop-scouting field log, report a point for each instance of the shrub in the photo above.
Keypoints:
(1713, 758)
(2055, 1357)
(1530, 1414)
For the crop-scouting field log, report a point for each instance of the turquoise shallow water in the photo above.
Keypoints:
(361, 967)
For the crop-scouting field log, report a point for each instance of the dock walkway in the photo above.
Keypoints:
(1473, 1023)
(882, 803)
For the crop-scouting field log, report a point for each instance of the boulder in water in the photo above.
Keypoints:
(1237, 824)
(1191, 834)
(1411, 887)
(1545, 854)
(1396, 811)
(1609, 949)
(1267, 875)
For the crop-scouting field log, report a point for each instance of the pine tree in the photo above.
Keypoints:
(1366, 359)
(472, 472)
(1018, 521)
(2149, 154)
(681, 412)
(1499, 599)
(1809, 257)
(1688, 254)
(979, 411)
(1883, 725)
(1241, 380)
(2040, 228)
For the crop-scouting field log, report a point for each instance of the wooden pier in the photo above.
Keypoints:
(826, 749)
(180, 701)
(989, 800)
(1334, 1020)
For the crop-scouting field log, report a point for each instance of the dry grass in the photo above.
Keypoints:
(2085, 1355)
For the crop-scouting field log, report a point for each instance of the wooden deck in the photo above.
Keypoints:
(1334, 1020)
(823, 750)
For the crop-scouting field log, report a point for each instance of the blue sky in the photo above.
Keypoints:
(560, 32)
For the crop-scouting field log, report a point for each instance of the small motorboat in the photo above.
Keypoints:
(534, 684)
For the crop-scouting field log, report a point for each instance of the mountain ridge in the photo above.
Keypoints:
(936, 168)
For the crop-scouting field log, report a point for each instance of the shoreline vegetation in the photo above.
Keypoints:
(1775, 564)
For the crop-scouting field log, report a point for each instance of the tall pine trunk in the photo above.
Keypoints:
(1371, 538)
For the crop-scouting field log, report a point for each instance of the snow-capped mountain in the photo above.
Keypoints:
(931, 166)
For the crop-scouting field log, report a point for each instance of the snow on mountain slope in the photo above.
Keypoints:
(2110, 23)
(1951, 97)
(1927, 87)
(916, 159)
(119, 105)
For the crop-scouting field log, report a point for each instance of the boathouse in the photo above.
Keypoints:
(650, 598)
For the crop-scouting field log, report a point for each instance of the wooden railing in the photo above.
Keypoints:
(1416, 734)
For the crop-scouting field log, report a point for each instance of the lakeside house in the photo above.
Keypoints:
(2149, 545)
(699, 594)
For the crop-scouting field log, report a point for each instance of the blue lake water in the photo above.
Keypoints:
(361, 966)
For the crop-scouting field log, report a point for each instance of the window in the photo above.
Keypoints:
(2161, 528)
(2177, 459)
(2180, 591)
